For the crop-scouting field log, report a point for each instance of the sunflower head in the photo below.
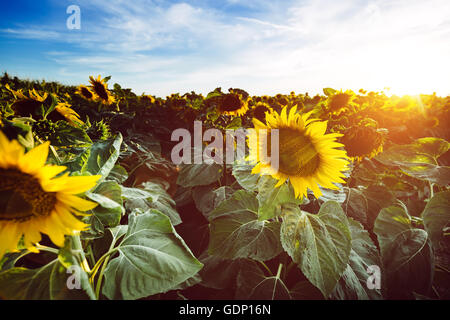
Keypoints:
(233, 104)
(363, 140)
(147, 99)
(99, 87)
(28, 106)
(339, 101)
(65, 110)
(85, 92)
(260, 110)
(33, 200)
(307, 156)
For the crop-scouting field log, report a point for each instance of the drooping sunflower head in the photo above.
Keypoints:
(339, 101)
(85, 92)
(27, 106)
(363, 140)
(33, 200)
(307, 156)
(147, 99)
(68, 113)
(260, 110)
(100, 88)
(233, 104)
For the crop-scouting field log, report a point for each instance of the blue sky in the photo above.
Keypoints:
(265, 47)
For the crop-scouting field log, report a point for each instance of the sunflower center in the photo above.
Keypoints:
(339, 101)
(260, 112)
(100, 90)
(361, 141)
(22, 197)
(230, 102)
(85, 92)
(297, 154)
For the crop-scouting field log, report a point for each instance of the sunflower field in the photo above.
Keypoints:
(93, 207)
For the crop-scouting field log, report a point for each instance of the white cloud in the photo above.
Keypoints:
(161, 48)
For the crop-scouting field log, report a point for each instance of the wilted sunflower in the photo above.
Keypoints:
(260, 110)
(34, 201)
(68, 113)
(26, 106)
(233, 104)
(148, 99)
(307, 156)
(100, 89)
(85, 92)
(339, 101)
(362, 141)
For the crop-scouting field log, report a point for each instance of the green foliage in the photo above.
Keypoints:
(162, 231)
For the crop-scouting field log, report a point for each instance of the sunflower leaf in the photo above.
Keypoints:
(152, 259)
(192, 175)
(103, 156)
(319, 244)
(436, 217)
(236, 232)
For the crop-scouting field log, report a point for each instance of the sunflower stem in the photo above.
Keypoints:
(280, 267)
(266, 267)
(48, 249)
(78, 247)
(431, 189)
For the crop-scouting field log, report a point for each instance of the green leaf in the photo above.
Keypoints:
(68, 260)
(271, 199)
(333, 195)
(46, 283)
(432, 146)
(356, 205)
(409, 264)
(389, 224)
(221, 274)
(192, 175)
(243, 175)
(319, 244)
(378, 197)
(329, 91)
(206, 199)
(236, 123)
(304, 290)
(118, 174)
(436, 218)
(135, 193)
(103, 155)
(236, 232)
(270, 288)
(419, 159)
(108, 213)
(158, 199)
(364, 253)
(152, 259)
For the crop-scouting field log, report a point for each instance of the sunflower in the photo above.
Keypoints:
(147, 99)
(26, 106)
(85, 92)
(339, 102)
(307, 156)
(68, 113)
(233, 104)
(100, 89)
(34, 201)
(260, 110)
(362, 141)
